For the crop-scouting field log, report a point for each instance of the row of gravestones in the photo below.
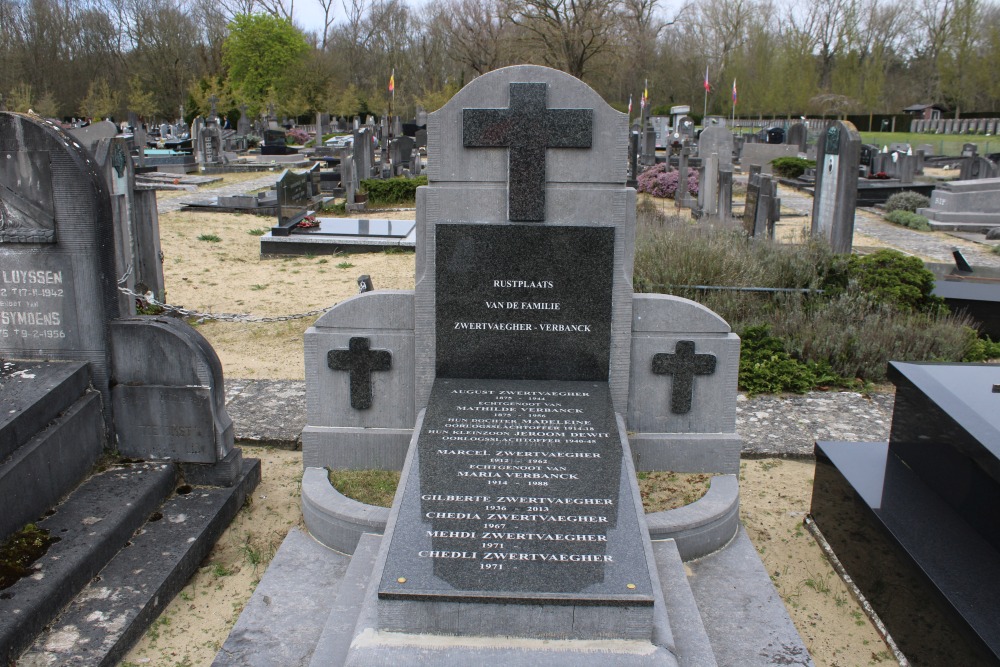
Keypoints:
(955, 126)
(836, 183)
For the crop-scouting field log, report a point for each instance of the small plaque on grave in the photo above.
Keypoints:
(37, 304)
(524, 302)
(518, 491)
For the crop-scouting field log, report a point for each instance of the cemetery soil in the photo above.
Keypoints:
(228, 276)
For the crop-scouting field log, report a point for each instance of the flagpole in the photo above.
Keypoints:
(705, 110)
(392, 97)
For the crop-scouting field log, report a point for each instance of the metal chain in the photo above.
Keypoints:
(221, 317)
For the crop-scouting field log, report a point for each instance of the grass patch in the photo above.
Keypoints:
(371, 487)
(211, 238)
(345, 265)
(257, 232)
(669, 490)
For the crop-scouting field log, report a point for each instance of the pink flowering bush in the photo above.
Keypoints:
(297, 136)
(659, 182)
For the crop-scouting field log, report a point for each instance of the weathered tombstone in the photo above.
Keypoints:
(977, 167)
(243, 124)
(798, 135)
(725, 205)
(91, 134)
(970, 150)
(682, 197)
(364, 154)
(760, 212)
(401, 153)
(275, 144)
(647, 145)
(61, 317)
(136, 224)
(708, 186)
(718, 140)
(836, 185)
(991, 126)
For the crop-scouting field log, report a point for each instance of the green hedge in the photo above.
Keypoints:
(398, 190)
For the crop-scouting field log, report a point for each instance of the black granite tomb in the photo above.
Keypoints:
(295, 196)
(914, 521)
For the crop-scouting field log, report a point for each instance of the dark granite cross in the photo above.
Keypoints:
(360, 361)
(527, 128)
(684, 364)
(213, 100)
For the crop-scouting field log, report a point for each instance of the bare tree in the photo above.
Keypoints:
(478, 33)
(569, 33)
(328, 17)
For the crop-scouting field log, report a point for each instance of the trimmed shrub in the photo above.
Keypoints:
(399, 190)
(791, 167)
(766, 367)
(896, 279)
(907, 201)
(659, 182)
(983, 349)
(908, 219)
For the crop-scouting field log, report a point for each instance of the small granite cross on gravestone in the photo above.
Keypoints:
(527, 128)
(683, 365)
(360, 362)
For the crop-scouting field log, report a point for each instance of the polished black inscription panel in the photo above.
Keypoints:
(518, 490)
(524, 302)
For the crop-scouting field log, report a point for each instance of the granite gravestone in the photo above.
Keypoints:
(717, 140)
(57, 250)
(60, 301)
(836, 190)
(512, 364)
(515, 322)
(798, 134)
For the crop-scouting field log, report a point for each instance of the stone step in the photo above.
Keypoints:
(112, 612)
(50, 464)
(743, 615)
(284, 618)
(33, 394)
(693, 646)
(92, 524)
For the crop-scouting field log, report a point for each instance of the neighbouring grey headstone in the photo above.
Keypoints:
(138, 264)
(174, 411)
(57, 249)
(976, 167)
(725, 205)
(718, 140)
(963, 204)
(836, 185)
(798, 135)
(91, 134)
(764, 154)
